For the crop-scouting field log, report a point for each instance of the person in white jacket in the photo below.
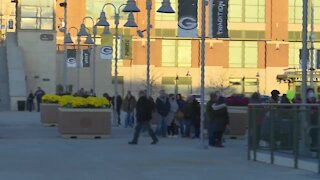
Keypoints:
(174, 107)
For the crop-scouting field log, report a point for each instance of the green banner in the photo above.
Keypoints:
(126, 47)
(107, 40)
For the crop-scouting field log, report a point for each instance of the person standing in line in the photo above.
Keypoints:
(179, 116)
(171, 124)
(144, 108)
(128, 106)
(196, 118)
(38, 94)
(218, 119)
(118, 108)
(187, 116)
(163, 109)
(30, 101)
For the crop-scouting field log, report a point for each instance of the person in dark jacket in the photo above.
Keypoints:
(218, 119)
(144, 108)
(163, 109)
(30, 101)
(118, 108)
(38, 94)
(188, 115)
(128, 106)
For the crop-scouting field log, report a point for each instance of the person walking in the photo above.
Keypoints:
(218, 119)
(128, 106)
(163, 109)
(179, 115)
(30, 101)
(38, 94)
(144, 108)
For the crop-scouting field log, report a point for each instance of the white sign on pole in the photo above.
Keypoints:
(106, 52)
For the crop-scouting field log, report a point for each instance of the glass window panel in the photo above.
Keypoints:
(184, 53)
(29, 23)
(46, 3)
(168, 53)
(47, 12)
(235, 13)
(251, 2)
(235, 54)
(30, 2)
(47, 24)
(29, 11)
(235, 2)
(251, 54)
(294, 51)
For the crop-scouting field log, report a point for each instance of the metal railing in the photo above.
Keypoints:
(289, 129)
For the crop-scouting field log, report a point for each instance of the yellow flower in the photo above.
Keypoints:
(80, 102)
(51, 98)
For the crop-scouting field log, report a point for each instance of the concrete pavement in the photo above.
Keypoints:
(29, 151)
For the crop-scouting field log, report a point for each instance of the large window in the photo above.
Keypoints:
(94, 7)
(176, 53)
(243, 54)
(37, 14)
(294, 51)
(295, 11)
(251, 11)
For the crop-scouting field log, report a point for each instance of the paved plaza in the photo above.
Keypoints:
(29, 151)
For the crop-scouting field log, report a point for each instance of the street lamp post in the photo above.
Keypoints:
(83, 32)
(312, 46)
(165, 8)
(203, 35)
(65, 33)
(131, 7)
(68, 40)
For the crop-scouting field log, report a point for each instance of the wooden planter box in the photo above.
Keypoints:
(84, 123)
(49, 114)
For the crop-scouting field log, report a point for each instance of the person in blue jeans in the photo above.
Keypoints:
(163, 109)
(188, 115)
(38, 94)
(128, 106)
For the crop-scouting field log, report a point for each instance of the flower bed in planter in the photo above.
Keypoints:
(84, 117)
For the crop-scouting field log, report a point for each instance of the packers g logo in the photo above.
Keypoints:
(187, 23)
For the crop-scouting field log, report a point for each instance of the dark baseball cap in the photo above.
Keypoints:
(275, 92)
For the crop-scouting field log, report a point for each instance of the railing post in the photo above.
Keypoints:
(254, 130)
(249, 132)
(318, 133)
(295, 137)
(272, 144)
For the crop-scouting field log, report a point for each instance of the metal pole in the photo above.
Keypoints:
(312, 46)
(203, 34)
(65, 75)
(116, 67)
(78, 66)
(303, 147)
(94, 59)
(149, 7)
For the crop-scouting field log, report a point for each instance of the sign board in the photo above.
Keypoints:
(46, 37)
(106, 52)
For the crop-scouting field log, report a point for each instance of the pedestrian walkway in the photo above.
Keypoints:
(29, 151)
